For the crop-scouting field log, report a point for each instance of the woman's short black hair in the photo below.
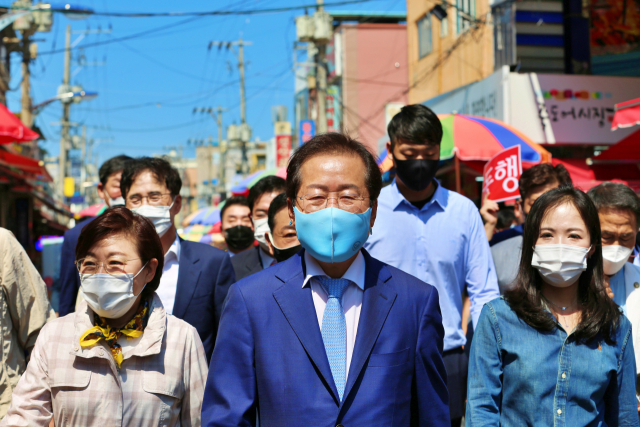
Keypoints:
(600, 315)
(334, 144)
(416, 124)
(120, 220)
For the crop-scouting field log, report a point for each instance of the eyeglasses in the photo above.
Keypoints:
(317, 201)
(152, 199)
(114, 266)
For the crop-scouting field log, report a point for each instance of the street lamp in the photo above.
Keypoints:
(66, 97)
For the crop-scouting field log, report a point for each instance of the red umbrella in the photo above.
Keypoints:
(12, 129)
(627, 114)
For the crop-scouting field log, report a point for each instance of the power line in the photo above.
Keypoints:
(222, 12)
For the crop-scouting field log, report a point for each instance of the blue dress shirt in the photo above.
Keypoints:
(519, 376)
(443, 244)
(619, 290)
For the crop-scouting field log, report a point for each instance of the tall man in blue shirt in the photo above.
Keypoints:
(435, 235)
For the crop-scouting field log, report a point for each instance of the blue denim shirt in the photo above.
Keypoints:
(520, 376)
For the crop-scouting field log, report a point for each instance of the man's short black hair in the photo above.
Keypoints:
(416, 124)
(160, 168)
(613, 195)
(543, 174)
(267, 185)
(278, 203)
(111, 166)
(235, 200)
(333, 144)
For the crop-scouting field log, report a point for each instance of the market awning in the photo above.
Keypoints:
(625, 151)
(12, 129)
(585, 176)
(25, 167)
(627, 114)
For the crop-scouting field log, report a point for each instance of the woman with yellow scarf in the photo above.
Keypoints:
(120, 359)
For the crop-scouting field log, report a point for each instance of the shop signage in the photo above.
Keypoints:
(307, 130)
(283, 150)
(501, 175)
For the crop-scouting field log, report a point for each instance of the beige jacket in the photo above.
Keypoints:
(160, 383)
(24, 309)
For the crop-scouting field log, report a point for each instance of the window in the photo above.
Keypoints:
(466, 14)
(425, 46)
(444, 27)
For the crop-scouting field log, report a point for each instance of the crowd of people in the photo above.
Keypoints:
(337, 303)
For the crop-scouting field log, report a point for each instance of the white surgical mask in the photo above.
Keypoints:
(159, 215)
(109, 296)
(260, 227)
(560, 265)
(115, 202)
(614, 257)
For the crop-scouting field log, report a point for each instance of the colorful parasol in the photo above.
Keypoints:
(627, 114)
(243, 186)
(473, 138)
(93, 210)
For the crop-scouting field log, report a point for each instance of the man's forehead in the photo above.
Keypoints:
(334, 170)
(148, 178)
(619, 217)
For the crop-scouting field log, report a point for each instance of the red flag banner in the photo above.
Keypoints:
(501, 175)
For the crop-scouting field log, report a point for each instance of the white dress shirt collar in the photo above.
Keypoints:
(355, 273)
(174, 249)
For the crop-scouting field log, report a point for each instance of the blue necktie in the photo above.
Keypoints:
(334, 330)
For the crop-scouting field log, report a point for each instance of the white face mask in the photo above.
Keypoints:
(261, 226)
(115, 202)
(159, 215)
(109, 296)
(614, 257)
(560, 265)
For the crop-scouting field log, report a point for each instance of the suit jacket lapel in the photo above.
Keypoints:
(188, 275)
(297, 306)
(254, 263)
(376, 304)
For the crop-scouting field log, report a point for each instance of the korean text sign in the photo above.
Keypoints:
(501, 175)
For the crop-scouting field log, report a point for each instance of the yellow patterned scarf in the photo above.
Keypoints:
(102, 330)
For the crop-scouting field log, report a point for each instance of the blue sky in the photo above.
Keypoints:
(148, 86)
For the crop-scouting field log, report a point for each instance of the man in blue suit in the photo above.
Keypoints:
(109, 191)
(332, 336)
(195, 277)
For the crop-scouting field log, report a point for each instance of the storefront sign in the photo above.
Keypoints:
(307, 130)
(501, 175)
(283, 150)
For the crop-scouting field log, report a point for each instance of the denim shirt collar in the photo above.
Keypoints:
(438, 197)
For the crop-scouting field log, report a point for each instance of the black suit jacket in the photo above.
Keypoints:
(69, 277)
(204, 277)
(247, 263)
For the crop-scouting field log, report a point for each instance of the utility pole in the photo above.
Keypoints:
(223, 150)
(322, 81)
(244, 130)
(64, 137)
(25, 112)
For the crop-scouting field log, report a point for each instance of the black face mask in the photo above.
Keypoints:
(239, 237)
(416, 174)
(284, 254)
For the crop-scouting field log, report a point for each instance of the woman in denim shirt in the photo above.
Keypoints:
(555, 351)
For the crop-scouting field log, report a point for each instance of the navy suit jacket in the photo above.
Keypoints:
(270, 358)
(247, 263)
(205, 275)
(69, 277)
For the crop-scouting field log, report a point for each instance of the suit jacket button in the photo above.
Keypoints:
(636, 285)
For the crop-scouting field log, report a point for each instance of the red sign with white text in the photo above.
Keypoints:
(501, 175)
(283, 150)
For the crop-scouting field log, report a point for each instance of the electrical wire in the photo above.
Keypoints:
(221, 12)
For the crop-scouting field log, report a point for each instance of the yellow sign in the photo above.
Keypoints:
(69, 186)
(282, 128)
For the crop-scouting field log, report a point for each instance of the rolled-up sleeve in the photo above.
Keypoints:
(480, 276)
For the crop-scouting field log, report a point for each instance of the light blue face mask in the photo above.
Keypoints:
(331, 234)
